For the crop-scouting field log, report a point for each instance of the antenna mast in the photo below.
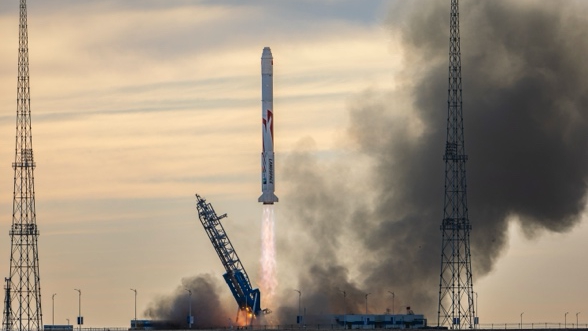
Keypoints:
(23, 289)
(456, 304)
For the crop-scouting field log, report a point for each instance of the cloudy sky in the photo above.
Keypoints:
(138, 105)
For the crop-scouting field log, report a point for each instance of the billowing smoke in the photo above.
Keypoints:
(321, 211)
(205, 304)
(525, 81)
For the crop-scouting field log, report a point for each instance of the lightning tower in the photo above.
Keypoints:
(22, 309)
(456, 301)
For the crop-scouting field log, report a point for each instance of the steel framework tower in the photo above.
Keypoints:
(22, 309)
(236, 277)
(456, 300)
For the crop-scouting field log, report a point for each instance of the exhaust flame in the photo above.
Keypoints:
(269, 279)
(244, 318)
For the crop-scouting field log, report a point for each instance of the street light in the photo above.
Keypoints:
(392, 301)
(53, 308)
(80, 318)
(189, 308)
(134, 290)
(67, 321)
(578, 313)
(366, 295)
(476, 310)
(566, 320)
(522, 319)
(299, 319)
(344, 302)
(344, 308)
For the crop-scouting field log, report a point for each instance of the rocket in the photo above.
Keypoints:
(268, 196)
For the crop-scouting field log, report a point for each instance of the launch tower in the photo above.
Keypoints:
(456, 304)
(236, 277)
(22, 308)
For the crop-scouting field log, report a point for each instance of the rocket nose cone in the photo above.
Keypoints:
(267, 53)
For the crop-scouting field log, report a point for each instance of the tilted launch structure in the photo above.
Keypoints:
(248, 298)
(456, 301)
(22, 302)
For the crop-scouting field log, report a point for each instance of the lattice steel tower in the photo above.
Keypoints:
(22, 308)
(456, 304)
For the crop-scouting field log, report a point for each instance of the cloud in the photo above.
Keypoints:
(526, 136)
(204, 301)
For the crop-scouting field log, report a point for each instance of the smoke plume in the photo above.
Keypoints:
(525, 81)
(205, 304)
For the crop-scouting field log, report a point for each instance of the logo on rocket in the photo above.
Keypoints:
(268, 195)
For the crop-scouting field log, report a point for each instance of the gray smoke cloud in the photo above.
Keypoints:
(206, 306)
(525, 83)
(318, 207)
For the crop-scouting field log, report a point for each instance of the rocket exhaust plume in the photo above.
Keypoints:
(269, 279)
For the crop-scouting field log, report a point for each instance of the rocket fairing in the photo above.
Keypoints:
(268, 196)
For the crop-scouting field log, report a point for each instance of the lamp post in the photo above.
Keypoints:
(53, 308)
(344, 308)
(80, 318)
(578, 313)
(476, 312)
(392, 301)
(566, 320)
(366, 296)
(522, 320)
(135, 290)
(299, 319)
(67, 319)
(189, 308)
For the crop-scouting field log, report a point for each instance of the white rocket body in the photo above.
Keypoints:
(268, 196)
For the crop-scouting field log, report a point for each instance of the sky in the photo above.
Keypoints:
(138, 105)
